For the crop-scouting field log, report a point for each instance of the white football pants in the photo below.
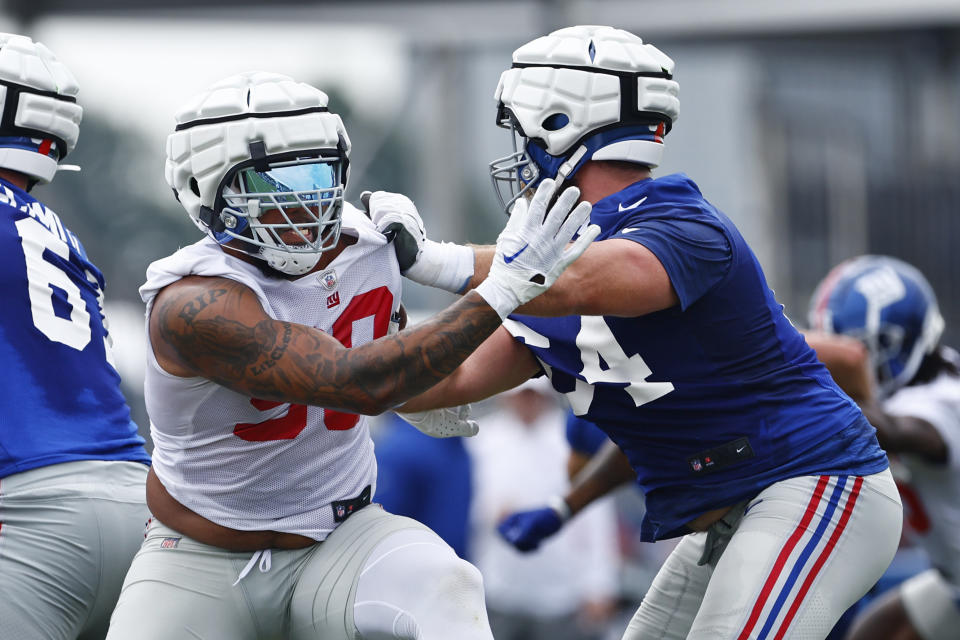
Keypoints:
(376, 577)
(785, 564)
(67, 535)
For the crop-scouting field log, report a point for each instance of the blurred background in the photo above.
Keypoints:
(825, 129)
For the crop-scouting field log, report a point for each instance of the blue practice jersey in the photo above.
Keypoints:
(60, 398)
(711, 400)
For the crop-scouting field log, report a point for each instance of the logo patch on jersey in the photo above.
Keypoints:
(721, 457)
(333, 300)
(343, 509)
(170, 543)
(329, 279)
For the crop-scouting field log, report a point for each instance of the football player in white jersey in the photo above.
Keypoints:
(889, 306)
(72, 466)
(269, 342)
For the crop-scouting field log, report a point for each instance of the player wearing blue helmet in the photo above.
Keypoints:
(890, 307)
(72, 467)
(665, 334)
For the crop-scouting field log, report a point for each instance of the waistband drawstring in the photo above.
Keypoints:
(264, 558)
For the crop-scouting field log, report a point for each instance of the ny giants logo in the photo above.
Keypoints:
(333, 300)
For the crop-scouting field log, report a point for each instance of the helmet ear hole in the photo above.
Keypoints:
(195, 187)
(556, 122)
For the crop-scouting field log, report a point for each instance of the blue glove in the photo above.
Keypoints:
(525, 530)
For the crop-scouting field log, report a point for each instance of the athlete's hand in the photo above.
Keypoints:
(525, 530)
(443, 423)
(532, 249)
(397, 218)
(435, 264)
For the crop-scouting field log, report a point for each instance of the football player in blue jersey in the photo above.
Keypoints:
(72, 467)
(665, 334)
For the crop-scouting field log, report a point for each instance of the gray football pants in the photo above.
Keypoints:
(377, 577)
(67, 535)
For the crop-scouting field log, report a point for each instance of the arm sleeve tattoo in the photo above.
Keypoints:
(218, 329)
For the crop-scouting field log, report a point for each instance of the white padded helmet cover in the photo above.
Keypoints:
(31, 65)
(207, 151)
(590, 94)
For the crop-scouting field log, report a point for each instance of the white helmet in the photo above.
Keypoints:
(259, 162)
(40, 119)
(582, 93)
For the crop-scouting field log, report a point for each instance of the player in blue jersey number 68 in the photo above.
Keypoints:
(72, 467)
(665, 334)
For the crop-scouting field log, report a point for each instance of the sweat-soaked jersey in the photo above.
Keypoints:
(713, 399)
(253, 464)
(59, 390)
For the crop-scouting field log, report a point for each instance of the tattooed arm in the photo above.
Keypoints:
(216, 328)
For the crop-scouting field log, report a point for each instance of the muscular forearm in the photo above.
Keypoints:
(613, 277)
(218, 331)
(606, 471)
(395, 369)
(499, 364)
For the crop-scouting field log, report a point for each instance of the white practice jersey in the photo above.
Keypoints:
(251, 464)
(931, 496)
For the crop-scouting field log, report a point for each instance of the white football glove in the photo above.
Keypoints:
(443, 423)
(436, 264)
(532, 249)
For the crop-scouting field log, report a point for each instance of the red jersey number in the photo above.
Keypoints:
(377, 304)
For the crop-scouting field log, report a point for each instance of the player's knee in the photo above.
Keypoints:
(454, 583)
(438, 593)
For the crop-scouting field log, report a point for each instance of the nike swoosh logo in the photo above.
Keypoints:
(628, 229)
(633, 206)
(741, 449)
(509, 259)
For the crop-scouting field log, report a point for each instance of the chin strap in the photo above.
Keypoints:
(567, 167)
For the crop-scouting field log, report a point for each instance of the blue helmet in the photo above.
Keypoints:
(887, 304)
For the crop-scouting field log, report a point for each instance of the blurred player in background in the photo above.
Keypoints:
(269, 341)
(585, 439)
(567, 590)
(665, 335)
(890, 307)
(72, 467)
(424, 478)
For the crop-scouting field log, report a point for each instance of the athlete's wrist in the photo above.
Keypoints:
(560, 507)
(443, 265)
(503, 299)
